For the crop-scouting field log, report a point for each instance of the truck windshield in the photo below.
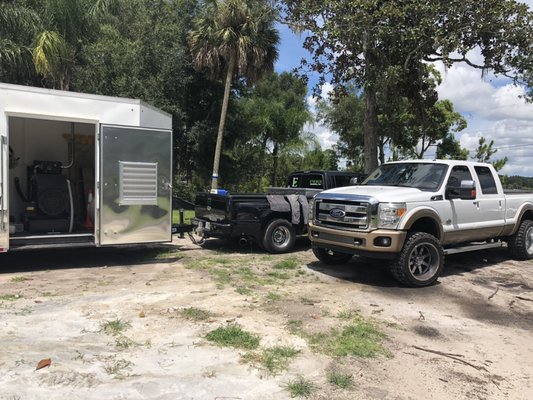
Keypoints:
(424, 176)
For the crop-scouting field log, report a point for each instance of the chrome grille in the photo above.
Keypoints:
(342, 214)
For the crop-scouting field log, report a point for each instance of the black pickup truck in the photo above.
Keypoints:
(272, 220)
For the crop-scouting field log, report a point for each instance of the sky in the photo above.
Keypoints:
(491, 106)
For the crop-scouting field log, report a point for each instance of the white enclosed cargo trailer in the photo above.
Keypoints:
(80, 169)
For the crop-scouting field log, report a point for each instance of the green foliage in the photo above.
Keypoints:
(289, 263)
(387, 45)
(300, 387)
(273, 359)
(485, 151)
(340, 379)
(114, 327)
(195, 314)
(233, 336)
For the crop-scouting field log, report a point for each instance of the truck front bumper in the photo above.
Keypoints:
(378, 243)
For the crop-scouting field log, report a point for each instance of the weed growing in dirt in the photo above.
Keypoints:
(48, 294)
(10, 297)
(271, 296)
(340, 379)
(295, 326)
(117, 367)
(300, 387)
(24, 311)
(348, 315)
(20, 279)
(233, 336)
(195, 314)
(359, 338)
(123, 342)
(114, 327)
(278, 275)
(308, 301)
(273, 359)
(289, 263)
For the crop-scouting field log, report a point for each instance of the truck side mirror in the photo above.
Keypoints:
(467, 191)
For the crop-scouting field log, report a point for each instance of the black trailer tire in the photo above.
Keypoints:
(279, 236)
(521, 243)
(331, 257)
(420, 261)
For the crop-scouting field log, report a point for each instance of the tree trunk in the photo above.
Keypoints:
(223, 113)
(370, 129)
(275, 159)
(370, 120)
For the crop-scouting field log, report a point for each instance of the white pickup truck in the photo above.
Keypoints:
(414, 212)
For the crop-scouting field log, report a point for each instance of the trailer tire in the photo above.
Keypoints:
(521, 243)
(420, 261)
(331, 257)
(279, 236)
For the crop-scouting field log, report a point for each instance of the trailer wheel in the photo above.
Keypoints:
(521, 243)
(331, 257)
(279, 236)
(420, 261)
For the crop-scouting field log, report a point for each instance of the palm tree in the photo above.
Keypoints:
(234, 37)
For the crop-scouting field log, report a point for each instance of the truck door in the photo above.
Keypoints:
(490, 203)
(4, 209)
(135, 189)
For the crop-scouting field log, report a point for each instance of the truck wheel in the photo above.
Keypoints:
(420, 261)
(279, 236)
(521, 243)
(331, 257)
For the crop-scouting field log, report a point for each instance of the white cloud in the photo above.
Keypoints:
(324, 135)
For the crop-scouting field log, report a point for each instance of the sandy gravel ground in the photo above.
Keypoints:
(469, 336)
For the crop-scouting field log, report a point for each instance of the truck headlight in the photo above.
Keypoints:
(310, 210)
(390, 214)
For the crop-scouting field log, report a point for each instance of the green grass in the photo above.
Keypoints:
(273, 359)
(10, 297)
(20, 279)
(300, 387)
(340, 379)
(295, 326)
(114, 327)
(359, 338)
(195, 314)
(123, 342)
(233, 336)
(271, 296)
(289, 263)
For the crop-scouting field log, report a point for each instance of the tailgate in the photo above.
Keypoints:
(212, 207)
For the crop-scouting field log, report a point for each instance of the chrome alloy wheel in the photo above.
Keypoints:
(280, 236)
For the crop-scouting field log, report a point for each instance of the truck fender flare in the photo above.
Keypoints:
(524, 208)
(415, 215)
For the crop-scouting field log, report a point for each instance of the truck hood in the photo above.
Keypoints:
(384, 194)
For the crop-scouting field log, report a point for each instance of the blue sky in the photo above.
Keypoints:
(492, 107)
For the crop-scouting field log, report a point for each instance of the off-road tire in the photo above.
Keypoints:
(420, 261)
(331, 257)
(279, 236)
(521, 243)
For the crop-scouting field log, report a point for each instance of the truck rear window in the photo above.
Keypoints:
(486, 180)
(306, 181)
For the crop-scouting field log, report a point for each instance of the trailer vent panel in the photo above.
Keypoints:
(138, 183)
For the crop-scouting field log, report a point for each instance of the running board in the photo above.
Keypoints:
(472, 247)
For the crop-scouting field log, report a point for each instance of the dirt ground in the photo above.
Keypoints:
(469, 336)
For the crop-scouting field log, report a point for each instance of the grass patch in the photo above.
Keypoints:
(273, 359)
(20, 279)
(348, 315)
(340, 379)
(289, 263)
(10, 297)
(117, 367)
(271, 296)
(233, 336)
(359, 338)
(300, 387)
(295, 326)
(278, 275)
(195, 314)
(114, 327)
(124, 342)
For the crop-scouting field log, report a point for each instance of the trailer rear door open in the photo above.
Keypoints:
(4, 214)
(135, 192)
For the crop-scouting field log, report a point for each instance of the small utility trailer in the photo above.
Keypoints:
(82, 170)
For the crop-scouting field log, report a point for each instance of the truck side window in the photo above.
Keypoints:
(486, 180)
(459, 173)
(342, 180)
